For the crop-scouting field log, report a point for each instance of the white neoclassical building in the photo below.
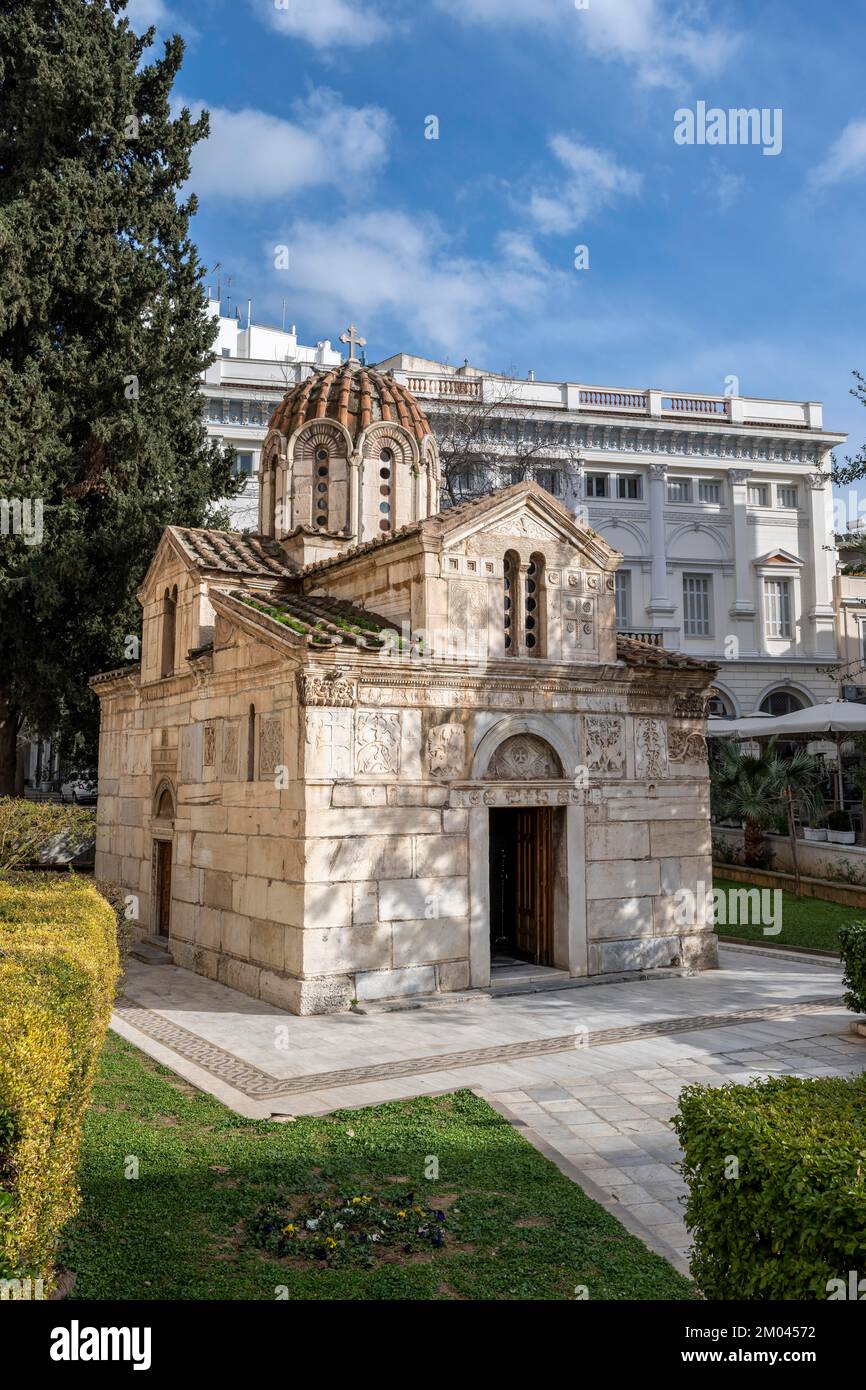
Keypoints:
(253, 367)
(720, 506)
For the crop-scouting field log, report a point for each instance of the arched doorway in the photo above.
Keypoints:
(525, 841)
(163, 835)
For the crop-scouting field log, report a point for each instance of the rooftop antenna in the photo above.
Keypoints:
(214, 270)
(284, 316)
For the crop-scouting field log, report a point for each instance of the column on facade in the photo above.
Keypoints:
(266, 499)
(821, 566)
(354, 497)
(743, 609)
(660, 603)
(822, 562)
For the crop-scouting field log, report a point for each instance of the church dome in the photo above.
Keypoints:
(355, 397)
(349, 457)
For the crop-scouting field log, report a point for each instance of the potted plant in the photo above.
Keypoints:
(817, 831)
(839, 828)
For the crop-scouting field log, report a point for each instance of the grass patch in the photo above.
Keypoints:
(810, 922)
(189, 1226)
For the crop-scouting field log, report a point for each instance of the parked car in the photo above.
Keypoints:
(79, 788)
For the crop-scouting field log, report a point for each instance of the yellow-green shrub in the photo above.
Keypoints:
(58, 970)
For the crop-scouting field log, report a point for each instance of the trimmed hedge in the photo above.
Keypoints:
(852, 944)
(58, 970)
(795, 1216)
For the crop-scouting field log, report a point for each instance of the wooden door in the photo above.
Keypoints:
(163, 886)
(534, 885)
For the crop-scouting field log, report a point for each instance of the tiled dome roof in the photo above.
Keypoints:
(353, 395)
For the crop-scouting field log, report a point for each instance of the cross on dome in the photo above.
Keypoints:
(350, 337)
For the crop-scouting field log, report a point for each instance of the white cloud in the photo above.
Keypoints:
(660, 39)
(590, 181)
(325, 23)
(251, 154)
(723, 187)
(388, 267)
(845, 159)
(142, 13)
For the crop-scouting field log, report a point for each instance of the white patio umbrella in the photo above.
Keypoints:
(836, 717)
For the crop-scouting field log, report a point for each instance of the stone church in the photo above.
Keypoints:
(378, 750)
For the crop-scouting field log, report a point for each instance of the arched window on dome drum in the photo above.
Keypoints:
(509, 601)
(321, 487)
(534, 607)
(386, 489)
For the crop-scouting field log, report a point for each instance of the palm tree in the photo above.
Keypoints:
(758, 788)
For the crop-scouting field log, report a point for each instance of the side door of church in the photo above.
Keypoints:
(163, 887)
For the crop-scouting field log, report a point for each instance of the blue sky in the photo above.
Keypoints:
(556, 129)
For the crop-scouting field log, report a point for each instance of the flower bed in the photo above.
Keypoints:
(351, 1229)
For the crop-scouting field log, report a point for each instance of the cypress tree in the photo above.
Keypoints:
(103, 338)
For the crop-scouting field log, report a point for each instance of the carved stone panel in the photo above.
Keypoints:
(525, 757)
(231, 749)
(468, 604)
(605, 746)
(328, 743)
(446, 750)
(377, 744)
(686, 747)
(209, 755)
(270, 745)
(650, 749)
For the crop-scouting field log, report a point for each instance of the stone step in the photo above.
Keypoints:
(420, 1001)
(150, 953)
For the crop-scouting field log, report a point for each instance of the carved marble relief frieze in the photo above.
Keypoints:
(209, 747)
(505, 795)
(377, 744)
(336, 691)
(446, 750)
(650, 749)
(605, 746)
(693, 705)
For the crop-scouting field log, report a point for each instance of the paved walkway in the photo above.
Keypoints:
(590, 1075)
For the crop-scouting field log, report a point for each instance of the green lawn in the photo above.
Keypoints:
(808, 922)
(515, 1227)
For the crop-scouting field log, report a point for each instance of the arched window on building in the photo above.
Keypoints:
(251, 744)
(719, 706)
(509, 600)
(169, 632)
(780, 702)
(533, 606)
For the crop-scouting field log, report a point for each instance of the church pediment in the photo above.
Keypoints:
(527, 511)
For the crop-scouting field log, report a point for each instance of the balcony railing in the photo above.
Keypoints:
(694, 405)
(467, 390)
(654, 638)
(614, 400)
